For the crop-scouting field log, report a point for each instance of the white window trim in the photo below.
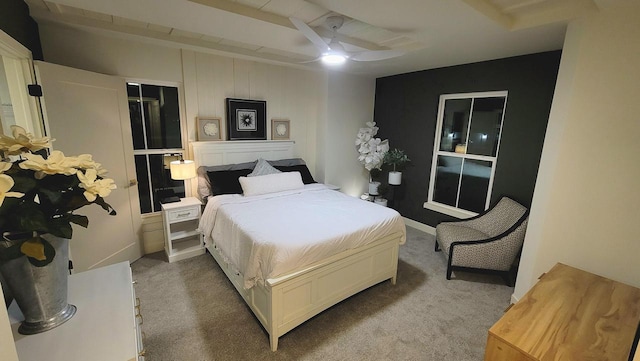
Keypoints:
(444, 208)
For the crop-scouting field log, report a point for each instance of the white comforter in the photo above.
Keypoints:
(269, 235)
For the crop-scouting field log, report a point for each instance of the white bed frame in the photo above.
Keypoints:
(287, 301)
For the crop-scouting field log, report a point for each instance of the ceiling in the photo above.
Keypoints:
(434, 33)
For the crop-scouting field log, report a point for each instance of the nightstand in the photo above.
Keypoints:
(181, 237)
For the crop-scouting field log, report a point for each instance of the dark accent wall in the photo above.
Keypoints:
(406, 108)
(16, 21)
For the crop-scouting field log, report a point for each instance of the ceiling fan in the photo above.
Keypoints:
(333, 52)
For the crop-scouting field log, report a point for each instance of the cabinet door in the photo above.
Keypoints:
(88, 113)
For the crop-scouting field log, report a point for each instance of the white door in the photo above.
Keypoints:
(88, 113)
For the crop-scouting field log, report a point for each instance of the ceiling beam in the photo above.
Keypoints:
(258, 14)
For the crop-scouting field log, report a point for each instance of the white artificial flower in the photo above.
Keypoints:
(56, 163)
(94, 187)
(6, 183)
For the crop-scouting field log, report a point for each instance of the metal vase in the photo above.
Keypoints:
(41, 292)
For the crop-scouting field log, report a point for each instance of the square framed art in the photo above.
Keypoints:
(209, 129)
(280, 129)
(246, 119)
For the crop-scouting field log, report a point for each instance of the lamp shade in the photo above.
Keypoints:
(182, 169)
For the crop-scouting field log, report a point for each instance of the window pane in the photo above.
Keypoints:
(455, 123)
(475, 184)
(143, 183)
(446, 183)
(133, 92)
(485, 126)
(162, 116)
(162, 184)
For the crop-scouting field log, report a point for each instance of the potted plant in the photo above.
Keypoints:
(38, 200)
(372, 151)
(397, 159)
(381, 199)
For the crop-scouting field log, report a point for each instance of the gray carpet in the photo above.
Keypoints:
(192, 312)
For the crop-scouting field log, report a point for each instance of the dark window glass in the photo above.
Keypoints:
(455, 123)
(162, 116)
(474, 185)
(143, 183)
(447, 179)
(137, 130)
(485, 126)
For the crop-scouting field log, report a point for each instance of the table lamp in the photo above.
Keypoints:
(180, 170)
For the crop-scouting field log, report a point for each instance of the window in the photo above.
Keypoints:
(157, 139)
(465, 152)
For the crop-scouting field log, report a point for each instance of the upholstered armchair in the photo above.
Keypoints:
(489, 242)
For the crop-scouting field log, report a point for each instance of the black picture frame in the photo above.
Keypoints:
(246, 119)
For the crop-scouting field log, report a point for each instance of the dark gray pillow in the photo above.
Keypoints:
(204, 184)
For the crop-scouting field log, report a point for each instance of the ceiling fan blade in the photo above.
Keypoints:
(377, 55)
(310, 34)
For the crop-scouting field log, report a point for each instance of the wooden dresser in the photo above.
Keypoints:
(568, 315)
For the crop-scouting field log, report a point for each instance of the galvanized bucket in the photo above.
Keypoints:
(41, 292)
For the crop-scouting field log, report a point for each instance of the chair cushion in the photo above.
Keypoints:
(499, 219)
(447, 233)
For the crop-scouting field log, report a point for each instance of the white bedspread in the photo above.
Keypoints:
(272, 234)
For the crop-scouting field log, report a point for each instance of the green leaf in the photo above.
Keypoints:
(13, 252)
(53, 196)
(100, 201)
(79, 220)
(61, 228)
(33, 248)
(49, 253)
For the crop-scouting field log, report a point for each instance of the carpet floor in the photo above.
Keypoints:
(193, 313)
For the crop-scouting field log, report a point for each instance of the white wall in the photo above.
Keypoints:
(586, 206)
(109, 55)
(290, 94)
(350, 104)
(299, 95)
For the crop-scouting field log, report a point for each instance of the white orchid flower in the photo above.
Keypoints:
(56, 163)
(6, 183)
(94, 187)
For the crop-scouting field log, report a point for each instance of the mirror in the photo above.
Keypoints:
(16, 72)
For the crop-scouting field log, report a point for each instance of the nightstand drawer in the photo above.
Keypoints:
(183, 214)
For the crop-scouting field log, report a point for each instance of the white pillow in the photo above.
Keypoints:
(263, 168)
(270, 183)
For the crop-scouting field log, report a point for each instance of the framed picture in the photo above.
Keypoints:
(246, 119)
(280, 129)
(209, 129)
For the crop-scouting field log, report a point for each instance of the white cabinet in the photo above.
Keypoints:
(182, 239)
(106, 326)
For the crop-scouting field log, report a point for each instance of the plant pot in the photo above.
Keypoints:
(395, 178)
(381, 201)
(373, 188)
(41, 292)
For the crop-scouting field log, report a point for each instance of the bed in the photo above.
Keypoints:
(263, 241)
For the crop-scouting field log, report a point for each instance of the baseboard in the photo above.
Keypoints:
(420, 226)
(514, 299)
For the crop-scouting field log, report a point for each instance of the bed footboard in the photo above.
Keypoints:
(285, 302)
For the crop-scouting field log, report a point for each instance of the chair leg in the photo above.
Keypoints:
(449, 270)
(437, 246)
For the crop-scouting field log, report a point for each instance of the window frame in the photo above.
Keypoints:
(445, 208)
(166, 151)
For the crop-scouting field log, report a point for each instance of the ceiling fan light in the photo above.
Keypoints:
(333, 59)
